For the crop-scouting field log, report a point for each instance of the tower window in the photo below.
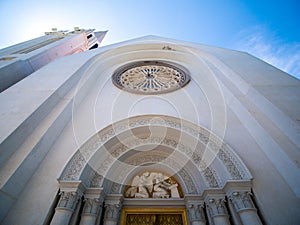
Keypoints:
(94, 46)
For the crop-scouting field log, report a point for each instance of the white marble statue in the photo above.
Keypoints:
(152, 184)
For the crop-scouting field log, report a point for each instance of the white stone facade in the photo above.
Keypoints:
(71, 140)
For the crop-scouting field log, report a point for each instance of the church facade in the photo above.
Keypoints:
(151, 131)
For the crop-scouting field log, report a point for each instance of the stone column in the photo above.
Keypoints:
(245, 208)
(92, 208)
(70, 194)
(217, 211)
(65, 208)
(113, 207)
(196, 213)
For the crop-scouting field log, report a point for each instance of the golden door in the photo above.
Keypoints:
(153, 217)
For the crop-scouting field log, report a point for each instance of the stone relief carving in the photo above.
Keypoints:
(150, 77)
(74, 168)
(68, 200)
(208, 173)
(229, 163)
(96, 180)
(242, 200)
(216, 207)
(76, 165)
(116, 188)
(112, 212)
(188, 181)
(91, 206)
(210, 177)
(196, 212)
(152, 185)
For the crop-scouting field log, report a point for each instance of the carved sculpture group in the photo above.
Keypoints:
(152, 185)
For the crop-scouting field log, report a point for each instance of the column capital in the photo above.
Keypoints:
(242, 200)
(68, 200)
(72, 186)
(113, 206)
(93, 199)
(234, 186)
(97, 193)
(112, 212)
(196, 211)
(216, 205)
(70, 193)
(193, 201)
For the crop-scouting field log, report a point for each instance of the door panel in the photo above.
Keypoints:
(153, 217)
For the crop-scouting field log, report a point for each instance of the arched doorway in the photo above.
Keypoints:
(106, 181)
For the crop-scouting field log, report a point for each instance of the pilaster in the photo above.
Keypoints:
(195, 210)
(113, 207)
(216, 209)
(244, 206)
(70, 193)
(239, 195)
(93, 200)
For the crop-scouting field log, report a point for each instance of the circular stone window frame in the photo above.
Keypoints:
(121, 70)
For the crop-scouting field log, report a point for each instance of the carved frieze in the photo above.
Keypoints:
(96, 180)
(230, 165)
(79, 160)
(153, 185)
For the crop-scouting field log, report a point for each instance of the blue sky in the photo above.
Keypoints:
(267, 29)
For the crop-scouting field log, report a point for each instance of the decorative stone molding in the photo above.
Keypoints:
(113, 207)
(216, 210)
(112, 212)
(211, 177)
(242, 200)
(96, 180)
(68, 200)
(70, 193)
(188, 181)
(208, 172)
(233, 164)
(75, 166)
(150, 77)
(91, 206)
(216, 207)
(116, 188)
(244, 207)
(196, 212)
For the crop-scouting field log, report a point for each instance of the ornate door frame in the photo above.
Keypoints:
(154, 211)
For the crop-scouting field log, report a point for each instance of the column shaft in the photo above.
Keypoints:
(112, 214)
(245, 208)
(66, 206)
(196, 213)
(61, 217)
(91, 209)
(217, 211)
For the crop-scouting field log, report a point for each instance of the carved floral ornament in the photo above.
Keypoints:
(150, 77)
(232, 163)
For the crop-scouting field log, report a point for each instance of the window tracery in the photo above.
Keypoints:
(150, 77)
